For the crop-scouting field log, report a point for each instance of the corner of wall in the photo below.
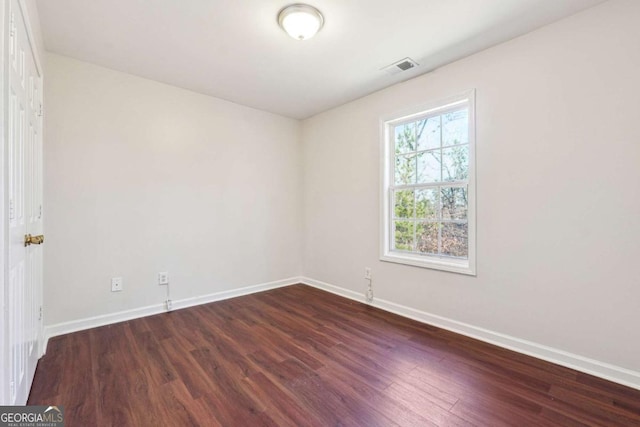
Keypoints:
(30, 8)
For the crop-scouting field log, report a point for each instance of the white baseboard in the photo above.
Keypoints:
(121, 316)
(233, 293)
(593, 367)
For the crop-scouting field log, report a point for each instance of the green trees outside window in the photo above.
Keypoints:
(429, 193)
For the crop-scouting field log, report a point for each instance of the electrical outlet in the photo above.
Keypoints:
(163, 278)
(116, 284)
(367, 273)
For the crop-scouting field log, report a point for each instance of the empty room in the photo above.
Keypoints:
(330, 213)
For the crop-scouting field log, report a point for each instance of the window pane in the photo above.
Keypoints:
(427, 237)
(403, 233)
(455, 127)
(406, 169)
(454, 203)
(428, 133)
(427, 203)
(404, 204)
(455, 238)
(429, 167)
(455, 163)
(405, 138)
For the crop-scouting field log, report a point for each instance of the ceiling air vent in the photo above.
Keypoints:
(400, 66)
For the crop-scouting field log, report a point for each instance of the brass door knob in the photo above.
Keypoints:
(33, 240)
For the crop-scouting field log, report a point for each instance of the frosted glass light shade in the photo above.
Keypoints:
(300, 21)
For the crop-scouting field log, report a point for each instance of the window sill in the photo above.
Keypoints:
(451, 265)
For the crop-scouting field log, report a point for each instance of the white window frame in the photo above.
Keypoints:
(387, 165)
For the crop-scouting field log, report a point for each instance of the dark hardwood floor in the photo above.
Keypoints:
(298, 356)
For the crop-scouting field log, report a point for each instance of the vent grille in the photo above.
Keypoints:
(405, 65)
(400, 66)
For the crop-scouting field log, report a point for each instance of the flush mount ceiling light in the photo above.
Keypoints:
(300, 21)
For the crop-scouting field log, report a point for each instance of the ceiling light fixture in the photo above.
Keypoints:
(300, 21)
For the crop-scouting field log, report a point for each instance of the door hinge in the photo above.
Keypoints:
(40, 313)
(12, 209)
(40, 213)
(40, 111)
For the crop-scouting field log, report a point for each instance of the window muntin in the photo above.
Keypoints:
(428, 187)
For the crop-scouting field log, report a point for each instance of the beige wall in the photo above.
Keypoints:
(141, 177)
(558, 167)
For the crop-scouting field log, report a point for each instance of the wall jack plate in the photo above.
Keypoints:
(116, 284)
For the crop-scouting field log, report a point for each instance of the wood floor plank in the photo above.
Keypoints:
(143, 394)
(489, 412)
(422, 392)
(147, 348)
(326, 402)
(280, 406)
(433, 411)
(48, 376)
(343, 365)
(179, 409)
(228, 389)
(189, 372)
(299, 356)
(77, 367)
(113, 392)
(607, 413)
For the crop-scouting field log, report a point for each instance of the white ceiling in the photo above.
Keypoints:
(234, 49)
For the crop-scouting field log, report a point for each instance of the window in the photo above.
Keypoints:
(428, 186)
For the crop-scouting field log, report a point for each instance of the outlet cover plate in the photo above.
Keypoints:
(163, 278)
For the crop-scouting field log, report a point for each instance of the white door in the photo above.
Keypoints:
(24, 199)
